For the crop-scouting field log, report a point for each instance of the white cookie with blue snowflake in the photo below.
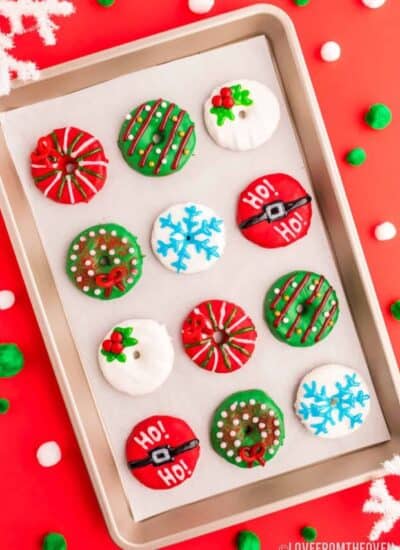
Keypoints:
(332, 401)
(188, 238)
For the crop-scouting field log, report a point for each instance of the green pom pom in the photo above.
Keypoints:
(11, 360)
(106, 3)
(301, 2)
(54, 541)
(309, 534)
(395, 309)
(379, 116)
(4, 405)
(247, 540)
(356, 156)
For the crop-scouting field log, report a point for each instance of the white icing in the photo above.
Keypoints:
(7, 299)
(373, 3)
(48, 454)
(385, 231)
(201, 6)
(255, 128)
(148, 363)
(330, 51)
(329, 376)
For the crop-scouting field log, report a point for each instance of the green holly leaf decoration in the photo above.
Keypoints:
(11, 360)
(239, 96)
(222, 114)
(110, 356)
(127, 341)
(54, 541)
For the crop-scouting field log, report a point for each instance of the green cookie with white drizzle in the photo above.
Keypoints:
(157, 138)
(248, 429)
(301, 308)
(104, 261)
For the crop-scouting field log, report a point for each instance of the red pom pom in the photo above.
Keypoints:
(216, 101)
(117, 348)
(116, 336)
(225, 92)
(228, 102)
(107, 344)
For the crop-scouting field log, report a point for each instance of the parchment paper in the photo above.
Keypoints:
(214, 177)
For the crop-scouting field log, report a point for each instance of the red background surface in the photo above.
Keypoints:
(36, 500)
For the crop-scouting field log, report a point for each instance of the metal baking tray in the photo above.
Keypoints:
(263, 496)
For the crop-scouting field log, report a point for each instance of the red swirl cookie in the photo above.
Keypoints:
(274, 211)
(219, 336)
(69, 165)
(162, 452)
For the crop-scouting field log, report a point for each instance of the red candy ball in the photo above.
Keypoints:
(217, 101)
(225, 92)
(228, 102)
(116, 336)
(107, 344)
(117, 348)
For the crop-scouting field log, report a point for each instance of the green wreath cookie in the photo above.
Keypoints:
(248, 429)
(301, 308)
(157, 138)
(104, 261)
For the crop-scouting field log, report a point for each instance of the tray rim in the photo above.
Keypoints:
(129, 48)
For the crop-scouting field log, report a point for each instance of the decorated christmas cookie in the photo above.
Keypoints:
(69, 165)
(332, 401)
(301, 308)
(274, 211)
(104, 261)
(157, 138)
(219, 336)
(162, 452)
(188, 238)
(248, 429)
(241, 115)
(136, 356)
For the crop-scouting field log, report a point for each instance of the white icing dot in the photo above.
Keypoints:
(82, 239)
(129, 280)
(385, 231)
(271, 413)
(163, 104)
(236, 422)
(271, 451)
(223, 445)
(7, 299)
(75, 247)
(88, 262)
(164, 161)
(252, 401)
(97, 291)
(294, 284)
(276, 442)
(48, 454)
(276, 422)
(237, 443)
(158, 150)
(277, 432)
(264, 435)
(255, 419)
(174, 147)
(220, 435)
(92, 233)
(285, 320)
(133, 262)
(111, 252)
(220, 423)
(230, 453)
(103, 247)
(113, 233)
(233, 406)
(263, 406)
(117, 261)
(158, 114)
(79, 279)
(74, 268)
(92, 253)
(242, 404)
(124, 240)
(261, 425)
(232, 433)
(102, 231)
(314, 329)
(312, 287)
(128, 116)
(130, 137)
(148, 108)
(245, 416)
(90, 273)
(333, 303)
(238, 459)
(326, 314)
(85, 289)
(131, 250)
(224, 414)
(374, 4)
(201, 6)
(330, 51)
(276, 290)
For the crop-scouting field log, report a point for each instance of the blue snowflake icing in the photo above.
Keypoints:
(189, 235)
(332, 409)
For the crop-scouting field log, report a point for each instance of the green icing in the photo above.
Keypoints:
(309, 534)
(127, 341)
(4, 405)
(395, 310)
(356, 156)
(315, 320)
(379, 116)
(256, 404)
(248, 540)
(11, 360)
(173, 145)
(109, 275)
(301, 2)
(54, 541)
(240, 96)
(106, 3)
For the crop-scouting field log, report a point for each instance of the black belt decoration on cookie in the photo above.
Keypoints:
(163, 455)
(275, 211)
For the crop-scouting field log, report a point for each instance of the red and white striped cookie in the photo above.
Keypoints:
(69, 165)
(219, 336)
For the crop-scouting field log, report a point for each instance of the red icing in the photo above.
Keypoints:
(107, 345)
(162, 432)
(218, 336)
(116, 336)
(266, 190)
(69, 176)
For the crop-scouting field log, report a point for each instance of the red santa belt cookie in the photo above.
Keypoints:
(274, 211)
(162, 452)
(219, 336)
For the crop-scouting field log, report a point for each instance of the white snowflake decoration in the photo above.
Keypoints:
(14, 11)
(382, 502)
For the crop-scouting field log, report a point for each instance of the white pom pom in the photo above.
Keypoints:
(48, 454)
(7, 299)
(373, 3)
(201, 6)
(330, 51)
(385, 231)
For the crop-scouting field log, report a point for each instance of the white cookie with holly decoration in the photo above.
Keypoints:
(136, 356)
(241, 114)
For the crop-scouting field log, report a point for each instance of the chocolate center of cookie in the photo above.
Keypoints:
(136, 354)
(242, 114)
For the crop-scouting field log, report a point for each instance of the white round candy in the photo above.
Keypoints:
(188, 238)
(7, 299)
(330, 51)
(143, 366)
(201, 6)
(48, 454)
(332, 401)
(248, 126)
(373, 3)
(385, 231)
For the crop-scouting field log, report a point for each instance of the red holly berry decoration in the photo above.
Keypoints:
(117, 348)
(225, 92)
(116, 336)
(228, 102)
(107, 345)
(216, 101)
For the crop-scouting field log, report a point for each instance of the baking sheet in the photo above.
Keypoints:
(213, 177)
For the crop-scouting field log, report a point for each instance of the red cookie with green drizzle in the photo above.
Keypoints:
(69, 165)
(248, 429)
(219, 336)
(104, 261)
(301, 308)
(157, 138)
